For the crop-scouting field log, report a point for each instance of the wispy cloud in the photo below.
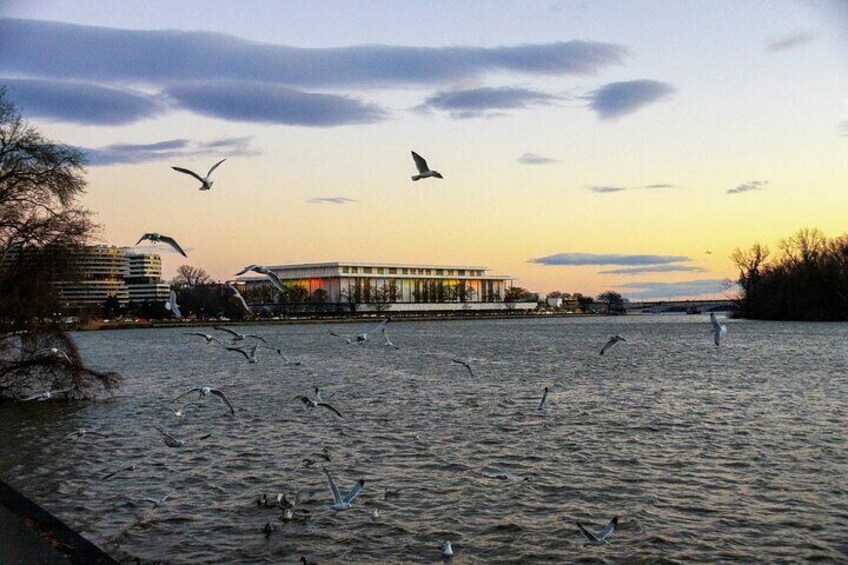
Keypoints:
(80, 103)
(748, 187)
(578, 259)
(618, 99)
(485, 101)
(652, 289)
(790, 42)
(534, 159)
(658, 186)
(331, 200)
(653, 269)
(120, 153)
(604, 189)
(270, 103)
(158, 57)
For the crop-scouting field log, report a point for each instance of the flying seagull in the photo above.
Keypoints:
(113, 473)
(544, 397)
(263, 270)
(170, 440)
(157, 502)
(718, 329)
(156, 237)
(53, 351)
(172, 305)
(206, 391)
(363, 336)
(343, 502)
(208, 337)
(238, 336)
(206, 184)
(423, 170)
(81, 433)
(464, 364)
(316, 401)
(386, 341)
(610, 342)
(238, 295)
(47, 394)
(251, 357)
(600, 537)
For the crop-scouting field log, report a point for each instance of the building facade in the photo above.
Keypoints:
(402, 286)
(144, 279)
(102, 270)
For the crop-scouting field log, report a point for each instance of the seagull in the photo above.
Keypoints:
(600, 537)
(251, 357)
(238, 336)
(172, 305)
(287, 359)
(447, 550)
(423, 170)
(206, 391)
(47, 394)
(267, 529)
(170, 440)
(718, 329)
(317, 401)
(708, 252)
(263, 270)
(464, 364)
(81, 433)
(157, 503)
(610, 342)
(376, 514)
(208, 337)
(238, 295)
(544, 397)
(179, 412)
(387, 341)
(343, 502)
(54, 351)
(206, 184)
(155, 237)
(113, 473)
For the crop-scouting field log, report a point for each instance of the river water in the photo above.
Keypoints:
(737, 452)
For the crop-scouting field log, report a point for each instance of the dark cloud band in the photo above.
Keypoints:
(577, 259)
(618, 99)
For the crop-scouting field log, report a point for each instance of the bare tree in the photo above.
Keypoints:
(41, 230)
(191, 276)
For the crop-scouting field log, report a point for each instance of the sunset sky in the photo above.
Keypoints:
(585, 145)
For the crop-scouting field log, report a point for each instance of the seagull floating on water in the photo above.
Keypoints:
(423, 170)
(343, 502)
(172, 305)
(263, 270)
(155, 237)
(447, 550)
(601, 537)
(206, 184)
(610, 342)
(718, 329)
(544, 397)
(464, 364)
(206, 391)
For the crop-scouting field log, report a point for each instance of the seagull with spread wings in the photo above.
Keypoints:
(238, 296)
(205, 183)
(47, 394)
(343, 502)
(263, 270)
(423, 170)
(718, 329)
(610, 342)
(206, 391)
(238, 336)
(316, 402)
(601, 537)
(363, 336)
(464, 364)
(172, 305)
(157, 237)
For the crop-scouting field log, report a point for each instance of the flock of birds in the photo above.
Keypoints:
(248, 345)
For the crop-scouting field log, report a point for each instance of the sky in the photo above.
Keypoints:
(585, 146)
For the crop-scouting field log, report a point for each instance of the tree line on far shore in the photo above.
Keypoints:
(806, 280)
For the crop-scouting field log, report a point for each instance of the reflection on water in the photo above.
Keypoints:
(731, 453)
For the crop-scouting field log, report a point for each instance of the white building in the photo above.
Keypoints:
(144, 280)
(402, 287)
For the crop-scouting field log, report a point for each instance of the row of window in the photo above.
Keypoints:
(412, 271)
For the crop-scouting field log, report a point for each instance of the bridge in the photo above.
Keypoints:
(688, 306)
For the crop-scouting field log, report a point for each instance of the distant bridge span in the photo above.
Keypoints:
(691, 306)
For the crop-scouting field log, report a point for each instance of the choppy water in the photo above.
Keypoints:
(706, 454)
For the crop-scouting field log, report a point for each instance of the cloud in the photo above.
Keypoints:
(534, 159)
(683, 288)
(270, 103)
(331, 200)
(606, 189)
(653, 269)
(80, 103)
(618, 99)
(748, 187)
(44, 49)
(656, 186)
(790, 42)
(579, 259)
(119, 153)
(477, 102)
